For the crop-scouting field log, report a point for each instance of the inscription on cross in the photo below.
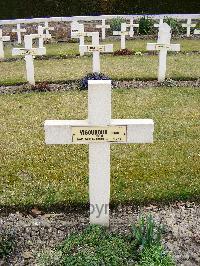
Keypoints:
(19, 31)
(96, 49)
(163, 45)
(29, 52)
(99, 131)
(103, 28)
(2, 40)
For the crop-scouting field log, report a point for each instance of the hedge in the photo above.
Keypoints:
(11, 9)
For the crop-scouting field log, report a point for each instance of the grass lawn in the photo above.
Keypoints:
(116, 67)
(34, 173)
(135, 45)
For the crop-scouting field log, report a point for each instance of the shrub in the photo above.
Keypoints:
(92, 76)
(6, 245)
(123, 52)
(155, 255)
(147, 232)
(146, 26)
(176, 26)
(96, 246)
(115, 23)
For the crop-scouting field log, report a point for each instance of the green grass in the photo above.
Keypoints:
(33, 173)
(116, 67)
(135, 45)
(97, 246)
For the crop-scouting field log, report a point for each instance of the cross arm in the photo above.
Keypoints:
(137, 130)
(24, 51)
(159, 47)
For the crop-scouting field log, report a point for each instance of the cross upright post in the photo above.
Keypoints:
(99, 131)
(2, 40)
(132, 25)
(123, 34)
(103, 28)
(29, 52)
(163, 45)
(188, 25)
(96, 48)
(19, 31)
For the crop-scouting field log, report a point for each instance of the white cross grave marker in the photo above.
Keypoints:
(19, 31)
(99, 131)
(160, 23)
(103, 28)
(123, 34)
(188, 25)
(163, 45)
(3, 39)
(131, 25)
(29, 52)
(47, 28)
(77, 31)
(96, 49)
(42, 36)
(197, 31)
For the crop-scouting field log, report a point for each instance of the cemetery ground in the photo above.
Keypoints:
(53, 180)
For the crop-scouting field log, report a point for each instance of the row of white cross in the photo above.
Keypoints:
(77, 31)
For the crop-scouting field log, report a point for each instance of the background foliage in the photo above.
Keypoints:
(41, 8)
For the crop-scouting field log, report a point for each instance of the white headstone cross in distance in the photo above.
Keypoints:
(123, 34)
(77, 31)
(96, 49)
(47, 28)
(163, 45)
(19, 31)
(197, 31)
(3, 39)
(29, 52)
(42, 36)
(103, 28)
(131, 25)
(188, 25)
(99, 131)
(160, 23)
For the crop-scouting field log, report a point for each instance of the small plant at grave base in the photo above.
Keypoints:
(146, 26)
(176, 26)
(41, 87)
(155, 255)
(123, 52)
(92, 76)
(115, 23)
(147, 233)
(6, 245)
(169, 83)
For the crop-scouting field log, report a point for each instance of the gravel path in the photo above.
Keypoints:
(75, 84)
(32, 234)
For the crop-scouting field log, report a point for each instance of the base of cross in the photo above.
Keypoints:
(99, 131)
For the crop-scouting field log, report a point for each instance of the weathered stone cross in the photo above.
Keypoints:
(188, 25)
(131, 25)
(123, 34)
(96, 49)
(19, 31)
(99, 131)
(103, 28)
(77, 31)
(163, 45)
(3, 39)
(29, 52)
